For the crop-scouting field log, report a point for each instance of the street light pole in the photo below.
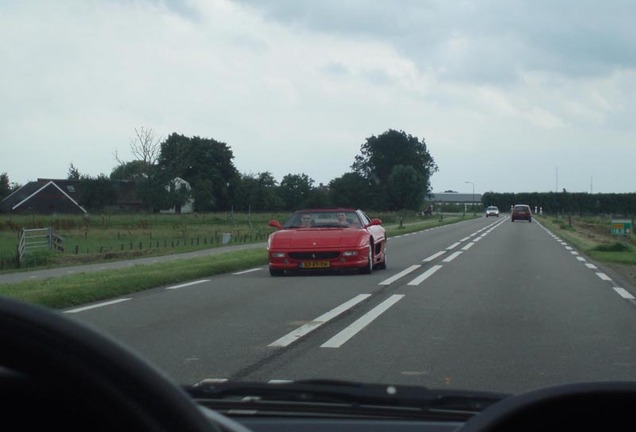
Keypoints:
(474, 211)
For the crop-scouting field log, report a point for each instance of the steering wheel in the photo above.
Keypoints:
(54, 369)
(605, 405)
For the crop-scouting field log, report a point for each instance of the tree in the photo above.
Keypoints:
(130, 170)
(318, 197)
(351, 190)
(380, 154)
(295, 190)
(206, 164)
(152, 190)
(73, 173)
(257, 192)
(5, 187)
(144, 146)
(96, 193)
(405, 188)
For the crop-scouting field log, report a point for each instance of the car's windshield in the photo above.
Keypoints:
(323, 218)
(435, 193)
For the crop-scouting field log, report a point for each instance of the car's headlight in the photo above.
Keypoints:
(278, 254)
(350, 253)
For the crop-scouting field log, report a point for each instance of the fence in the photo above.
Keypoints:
(37, 239)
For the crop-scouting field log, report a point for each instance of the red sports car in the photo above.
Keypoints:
(327, 239)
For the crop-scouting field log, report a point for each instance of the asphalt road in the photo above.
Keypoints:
(483, 304)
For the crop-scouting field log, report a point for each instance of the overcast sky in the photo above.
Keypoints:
(510, 96)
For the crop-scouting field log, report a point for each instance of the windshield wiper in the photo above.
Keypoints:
(329, 397)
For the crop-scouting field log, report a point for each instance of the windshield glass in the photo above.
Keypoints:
(434, 193)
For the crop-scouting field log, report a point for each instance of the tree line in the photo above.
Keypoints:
(573, 203)
(392, 172)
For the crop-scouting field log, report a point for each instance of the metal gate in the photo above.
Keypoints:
(37, 239)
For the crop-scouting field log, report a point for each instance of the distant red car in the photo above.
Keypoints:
(327, 239)
(521, 212)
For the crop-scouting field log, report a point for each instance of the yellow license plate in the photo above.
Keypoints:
(314, 264)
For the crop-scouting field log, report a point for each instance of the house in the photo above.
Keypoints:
(44, 196)
(61, 196)
(179, 184)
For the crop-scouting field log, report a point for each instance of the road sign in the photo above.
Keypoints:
(621, 227)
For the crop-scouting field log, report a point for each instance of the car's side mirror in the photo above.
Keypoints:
(275, 224)
(375, 221)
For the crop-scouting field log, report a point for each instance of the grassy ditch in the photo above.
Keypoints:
(592, 236)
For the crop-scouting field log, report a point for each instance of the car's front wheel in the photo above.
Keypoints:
(367, 269)
(382, 265)
(276, 272)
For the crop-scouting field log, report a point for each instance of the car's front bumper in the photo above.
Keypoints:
(318, 260)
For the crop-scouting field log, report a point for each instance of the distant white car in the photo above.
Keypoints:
(492, 211)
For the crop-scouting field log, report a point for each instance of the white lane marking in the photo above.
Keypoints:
(432, 257)
(574, 252)
(580, 258)
(623, 293)
(361, 323)
(603, 276)
(247, 271)
(401, 274)
(188, 284)
(452, 256)
(468, 246)
(453, 246)
(428, 273)
(465, 239)
(108, 303)
(590, 265)
(322, 319)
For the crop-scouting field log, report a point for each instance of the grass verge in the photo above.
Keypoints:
(72, 290)
(603, 249)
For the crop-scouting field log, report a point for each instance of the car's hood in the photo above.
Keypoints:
(312, 238)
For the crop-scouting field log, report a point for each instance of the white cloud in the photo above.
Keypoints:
(296, 87)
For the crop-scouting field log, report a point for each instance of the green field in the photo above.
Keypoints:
(105, 237)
